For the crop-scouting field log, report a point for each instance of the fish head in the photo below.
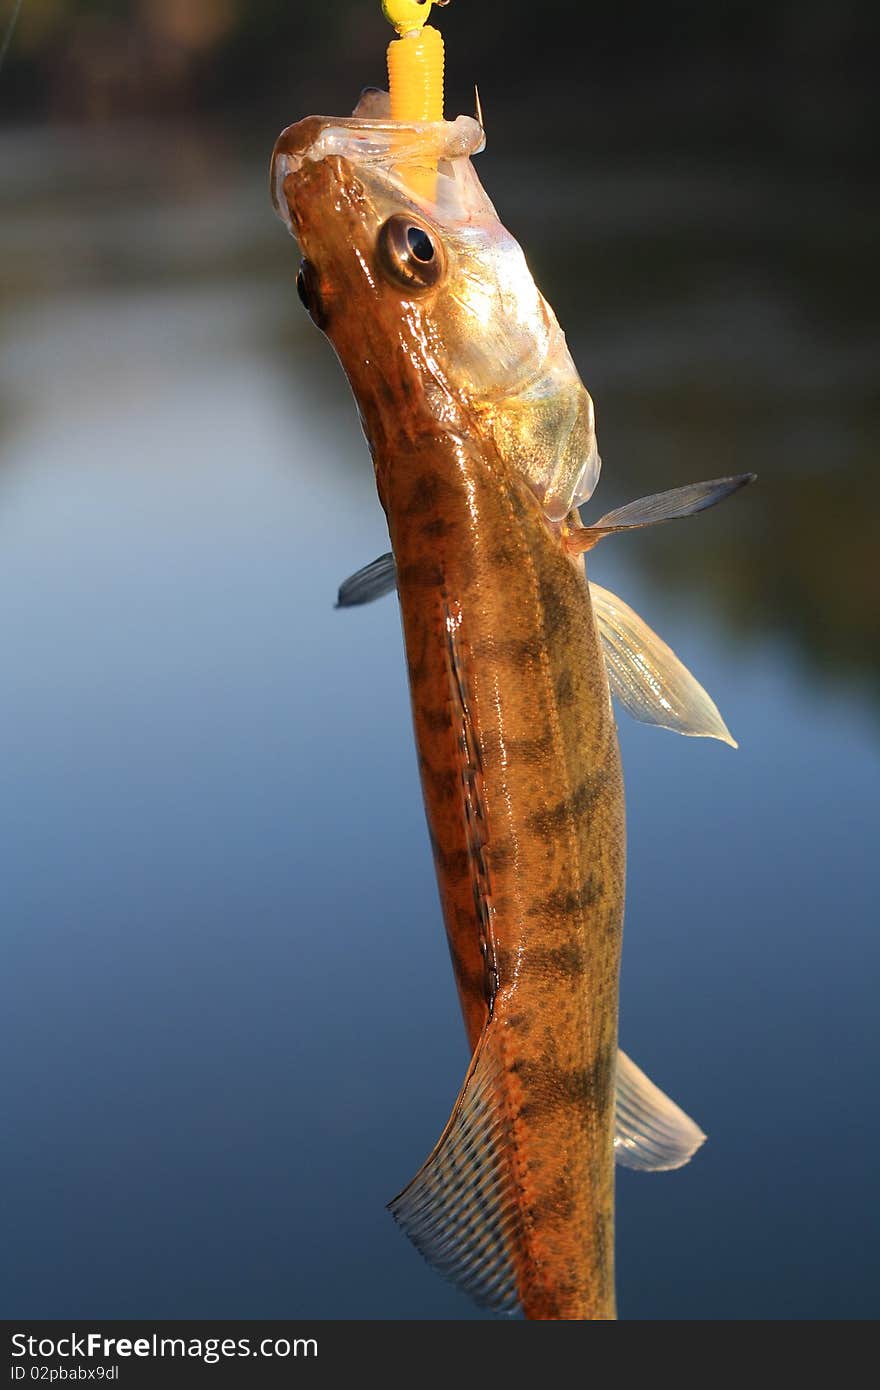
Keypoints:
(428, 299)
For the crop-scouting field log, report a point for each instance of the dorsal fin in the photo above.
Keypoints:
(460, 1209)
(367, 584)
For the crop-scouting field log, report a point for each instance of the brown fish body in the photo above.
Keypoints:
(482, 437)
(521, 778)
(524, 798)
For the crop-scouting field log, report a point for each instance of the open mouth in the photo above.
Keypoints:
(391, 148)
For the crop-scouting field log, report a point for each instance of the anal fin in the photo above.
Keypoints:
(651, 1132)
(460, 1210)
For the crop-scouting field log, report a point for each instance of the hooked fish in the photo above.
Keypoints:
(483, 441)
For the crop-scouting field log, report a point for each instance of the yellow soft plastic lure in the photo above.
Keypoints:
(415, 62)
(415, 74)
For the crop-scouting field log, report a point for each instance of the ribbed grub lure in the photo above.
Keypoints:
(415, 62)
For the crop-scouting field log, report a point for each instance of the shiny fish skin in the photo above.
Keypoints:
(483, 442)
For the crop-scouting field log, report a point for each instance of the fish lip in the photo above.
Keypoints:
(291, 149)
(367, 140)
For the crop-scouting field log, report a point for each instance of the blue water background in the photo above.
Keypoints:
(229, 1027)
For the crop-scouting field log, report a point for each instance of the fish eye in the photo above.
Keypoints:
(301, 289)
(309, 293)
(410, 254)
(420, 244)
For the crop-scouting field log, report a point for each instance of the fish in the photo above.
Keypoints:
(483, 442)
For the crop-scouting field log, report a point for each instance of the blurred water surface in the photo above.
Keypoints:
(229, 1021)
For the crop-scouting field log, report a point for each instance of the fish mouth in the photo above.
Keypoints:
(368, 143)
(300, 182)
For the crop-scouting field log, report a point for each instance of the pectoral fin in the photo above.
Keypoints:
(679, 502)
(651, 1132)
(372, 582)
(460, 1209)
(647, 677)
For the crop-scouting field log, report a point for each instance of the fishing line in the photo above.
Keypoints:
(10, 30)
